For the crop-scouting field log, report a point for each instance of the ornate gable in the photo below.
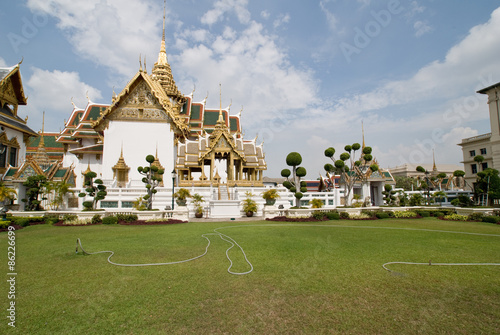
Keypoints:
(142, 100)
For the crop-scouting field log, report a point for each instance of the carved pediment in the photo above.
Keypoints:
(7, 93)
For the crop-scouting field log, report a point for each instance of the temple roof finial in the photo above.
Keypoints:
(434, 168)
(363, 134)
(221, 119)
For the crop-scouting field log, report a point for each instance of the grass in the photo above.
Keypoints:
(308, 278)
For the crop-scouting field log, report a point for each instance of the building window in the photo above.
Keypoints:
(3, 155)
(474, 168)
(484, 166)
(127, 204)
(483, 151)
(13, 156)
(109, 204)
(472, 153)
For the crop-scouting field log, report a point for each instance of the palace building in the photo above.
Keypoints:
(203, 147)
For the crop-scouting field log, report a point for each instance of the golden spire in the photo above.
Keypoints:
(434, 168)
(162, 57)
(221, 119)
(161, 70)
(42, 142)
(363, 133)
(41, 156)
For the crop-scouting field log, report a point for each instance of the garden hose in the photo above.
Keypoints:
(222, 236)
(233, 243)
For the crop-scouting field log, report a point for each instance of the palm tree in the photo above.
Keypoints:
(6, 193)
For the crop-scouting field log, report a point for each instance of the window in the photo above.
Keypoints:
(484, 166)
(474, 168)
(472, 153)
(13, 156)
(483, 151)
(109, 204)
(3, 155)
(127, 204)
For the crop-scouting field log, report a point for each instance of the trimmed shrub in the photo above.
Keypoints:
(476, 216)
(51, 218)
(333, 215)
(318, 215)
(456, 217)
(4, 224)
(405, 214)
(126, 217)
(96, 219)
(70, 217)
(344, 215)
(23, 222)
(424, 214)
(438, 214)
(382, 215)
(491, 219)
(109, 220)
(372, 214)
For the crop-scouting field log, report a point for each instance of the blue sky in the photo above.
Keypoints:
(307, 73)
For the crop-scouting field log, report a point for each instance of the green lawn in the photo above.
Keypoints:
(308, 278)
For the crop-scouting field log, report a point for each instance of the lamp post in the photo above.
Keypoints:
(174, 175)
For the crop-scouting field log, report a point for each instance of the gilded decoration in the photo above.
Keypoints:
(7, 93)
(11, 143)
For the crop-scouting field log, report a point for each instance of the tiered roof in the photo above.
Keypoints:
(79, 128)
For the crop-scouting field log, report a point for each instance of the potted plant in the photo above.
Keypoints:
(249, 205)
(270, 196)
(181, 196)
(197, 201)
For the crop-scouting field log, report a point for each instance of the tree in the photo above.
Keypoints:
(426, 183)
(356, 171)
(389, 195)
(416, 199)
(439, 196)
(35, 186)
(152, 178)
(293, 183)
(487, 186)
(94, 189)
(406, 183)
(57, 191)
(6, 193)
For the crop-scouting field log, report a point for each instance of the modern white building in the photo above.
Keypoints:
(485, 145)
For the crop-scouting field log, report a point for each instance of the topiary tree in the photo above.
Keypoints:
(152, 178)
(426, 184)
(35, 186)
(350, 169)
(94, 189)
(389, 195)
(293, 183)
(459, 178)
(487, 186)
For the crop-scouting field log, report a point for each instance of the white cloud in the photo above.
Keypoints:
(111, 33)
(51, 91)
(253, 70)
(421, 28)
(2, 62)
(222, 7)
(330, 17)
(282, 19)
(265, 14)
